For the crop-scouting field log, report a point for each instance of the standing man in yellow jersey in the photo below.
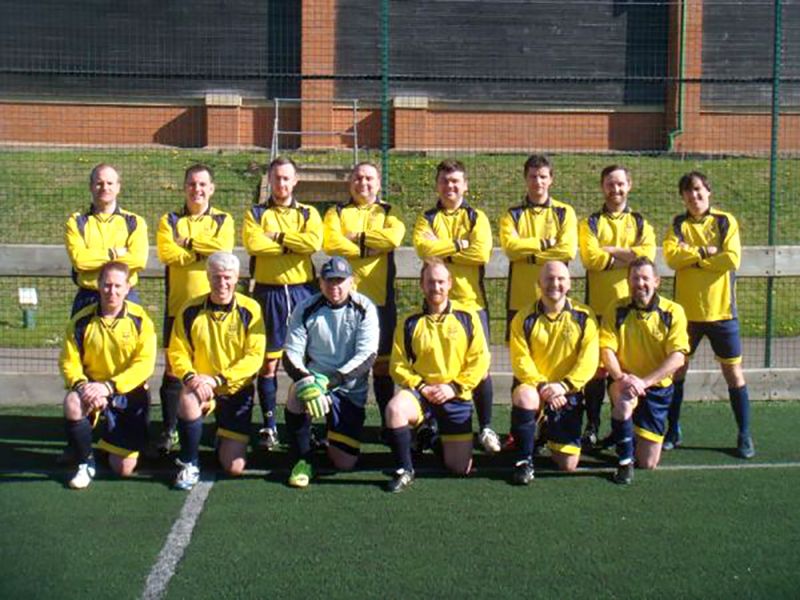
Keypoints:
(439, 357)
(704, 248)
(461, 236)
(610, 240)
(216, 350)
(109, 353)
(366, 233)
(643, 341)
(281, 236)
(102, 234)
(539, 230)
(185, 240)
(554, 353)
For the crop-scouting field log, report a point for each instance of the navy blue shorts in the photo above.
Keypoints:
(127, 417)
(723, 335)
(85, 297)
(650, 414)
(345, 423)
(564, 426)
(234, 413)
(387, 318)
(277, 303)
(454, 417)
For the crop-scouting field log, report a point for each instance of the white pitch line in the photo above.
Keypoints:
(592, 469)
(177, 541)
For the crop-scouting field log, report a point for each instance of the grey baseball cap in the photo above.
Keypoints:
(336, 268)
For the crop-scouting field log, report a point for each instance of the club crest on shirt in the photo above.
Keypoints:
(452, 330)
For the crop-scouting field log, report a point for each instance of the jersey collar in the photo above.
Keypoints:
(463, 206)
(447, 309)
(271, 203)
(651, 306)
(546, 204)
(613, 215)
(542, 309)
(93, 210)
(220, 307)
(185, 212)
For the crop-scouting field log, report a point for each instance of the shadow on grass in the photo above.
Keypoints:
(31, 445)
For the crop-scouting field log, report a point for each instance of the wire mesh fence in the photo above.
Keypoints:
(661, 87)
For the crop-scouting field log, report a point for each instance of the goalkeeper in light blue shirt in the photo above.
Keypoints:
(329, 350)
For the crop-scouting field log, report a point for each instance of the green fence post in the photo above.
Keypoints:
(385, 96)
(773, 170)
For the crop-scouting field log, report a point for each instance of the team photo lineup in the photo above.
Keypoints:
(335, 328)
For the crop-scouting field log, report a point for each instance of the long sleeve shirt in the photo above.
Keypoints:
(549, 348)
(440, 348)
(607, 280)
(705, 284)
(224, 342)
(643, 338)
(285, 260)
(530, 236)
(371, 253)
(92, 240)
(339, 341)
(185, 265)
(120, 350)
(467, 264)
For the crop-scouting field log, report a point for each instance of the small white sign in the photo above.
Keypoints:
(28, 297)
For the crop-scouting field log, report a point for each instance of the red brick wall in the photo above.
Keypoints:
(32, 123)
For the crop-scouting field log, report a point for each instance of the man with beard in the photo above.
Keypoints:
(609, 241)
(281, 236)
(439, 357)
(643, 342)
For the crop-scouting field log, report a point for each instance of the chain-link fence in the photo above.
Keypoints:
(661, 87)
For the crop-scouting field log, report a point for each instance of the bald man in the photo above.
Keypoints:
(554, 353)
(102, 234)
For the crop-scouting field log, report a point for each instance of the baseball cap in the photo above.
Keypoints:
(336, 268)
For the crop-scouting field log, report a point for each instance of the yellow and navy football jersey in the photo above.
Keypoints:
(525, 231)
(286, 260)
(642, 338)
(372, 254)
(606, 281)
(91, 238)
(467, 266)
(705, 285)
(548, 348)
(226, 342)
(120, 350)
(185, 266)
(445, 348)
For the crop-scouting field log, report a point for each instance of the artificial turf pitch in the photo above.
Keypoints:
(700, 527)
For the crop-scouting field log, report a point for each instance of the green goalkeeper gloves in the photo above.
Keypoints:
(312, 392)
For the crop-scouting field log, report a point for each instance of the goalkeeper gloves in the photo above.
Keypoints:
(311, 391)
